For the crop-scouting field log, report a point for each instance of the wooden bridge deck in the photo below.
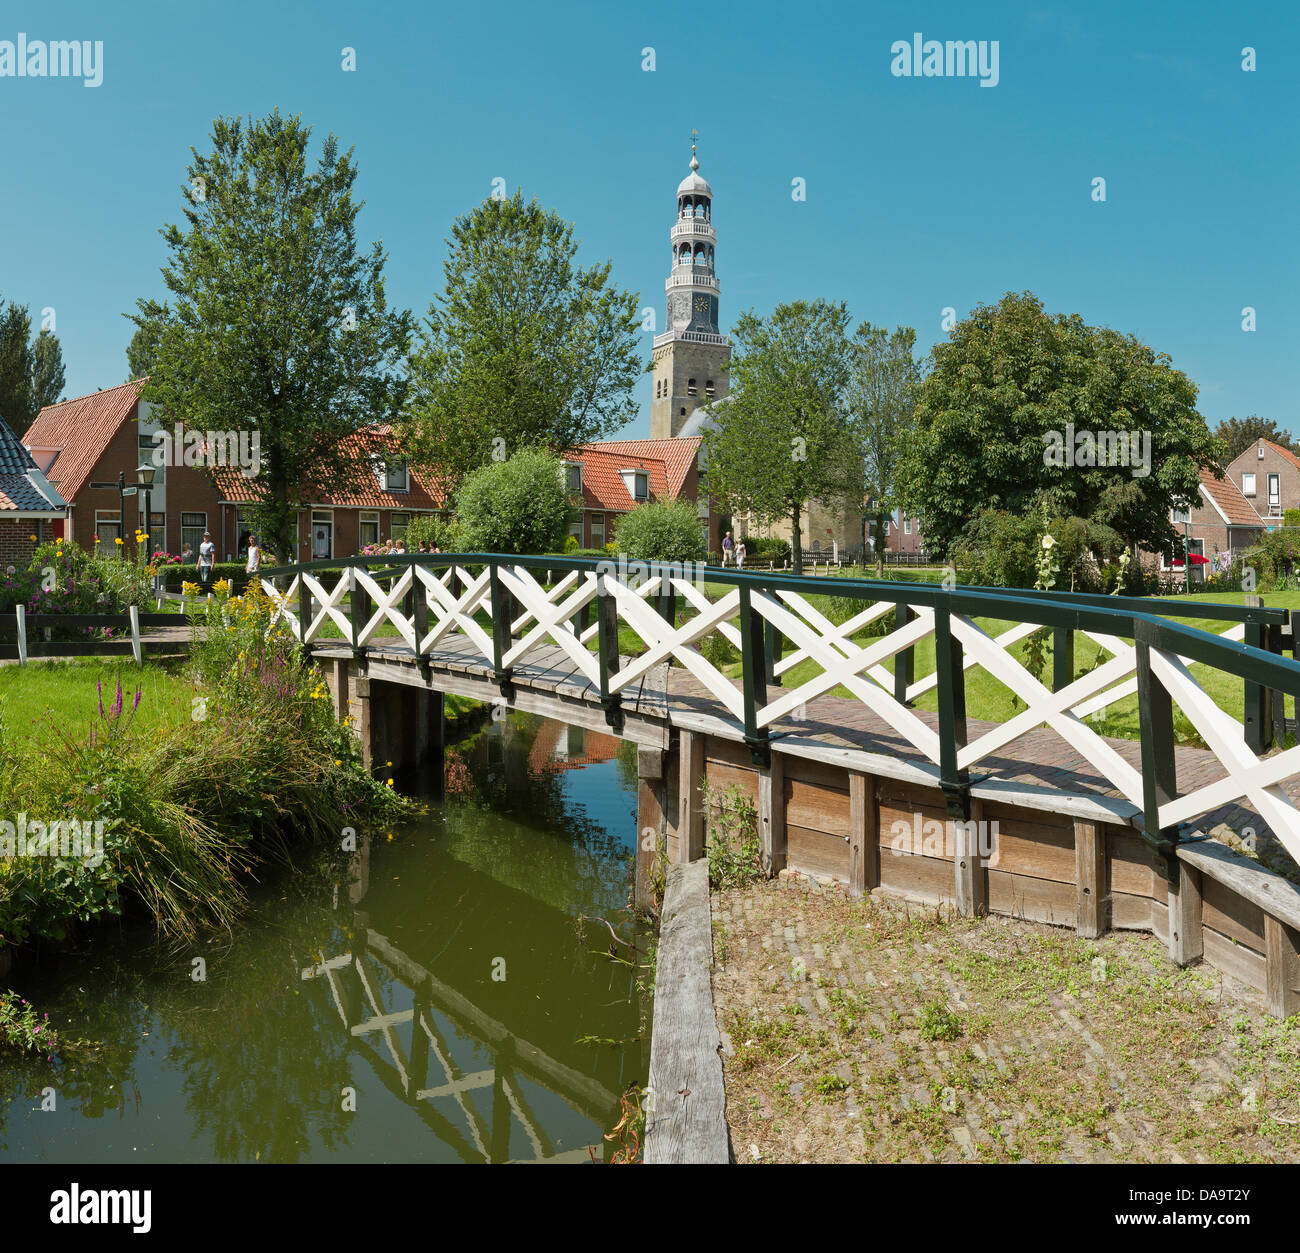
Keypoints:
(1039, 770)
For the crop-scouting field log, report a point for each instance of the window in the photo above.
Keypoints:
(708, 388)
(598, 530)
(147, 449)
(575, 529)
(690, 387)
(573, 479)
(396, 477)
(642, 486)
(397, 524)
(1181, 515)
(157, 531)
(1275, 493)
(192, 527)
(907, 526)
(108, 527)
(1247, 484)
(368, 529)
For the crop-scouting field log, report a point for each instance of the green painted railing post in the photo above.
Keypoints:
(419, 617)
(360, 609)
(905, 661)
(607, 650)
(304, 609)
(1258, 715)
(500, 600)
(772, 647)
(667, 601)
(951, 675)
(753, 668)
(1062, 658)
(1159, 771)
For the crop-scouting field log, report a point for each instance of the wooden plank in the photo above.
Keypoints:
(864, 834)
(1273, 894)
(1129, 912)
(1184, 940)
(1092, 913)
(1230, 914)
(690, 824)
(650, 820)
(727, 752)
(1234, 959)
(1160, 921)
(1046, 854)
(817, 807)
(906, 828)
(830, 775)
(1129, 866)
(686, 1122)
(816, 853)
(772, 817)
(1281, 969)
(921, 878)
(1039, 900)
(722, 774)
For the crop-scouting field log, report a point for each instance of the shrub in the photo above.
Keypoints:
(515, 506)
(662, 530)
(1291, 517)
(770, 549)
(734, 851)
(445, 534)
(23, 1029)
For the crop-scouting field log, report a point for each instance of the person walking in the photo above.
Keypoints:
(740, 554)
(254, 563)
(207, 555)
(728, 547)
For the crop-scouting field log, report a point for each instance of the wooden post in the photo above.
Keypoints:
(904, 662)
(864, 834)
(771, 814)
(651, 820)
(1186, 938)
(753, 678)
(20, 614)
(1159, 773)
(1062, 658)
(1282, 970)
(1258, 713)
(970, 883)
(133, 612)
(341, 674)
(951, 674)
(1092, 906)
(428, 729)
(690, 799)
(360, 704)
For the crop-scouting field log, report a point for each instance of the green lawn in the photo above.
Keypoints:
(62, 694)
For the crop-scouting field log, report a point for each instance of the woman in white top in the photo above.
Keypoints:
(254, 556)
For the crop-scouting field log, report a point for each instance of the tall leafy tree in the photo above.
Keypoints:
(784, 437)
(522, 348)
(1010, 382)
(883, 378)
(277, 320)
(143, 348)
(1237, 434)
(15, 367)
(47, 371)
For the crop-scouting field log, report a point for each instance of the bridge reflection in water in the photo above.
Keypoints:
(485, 1064)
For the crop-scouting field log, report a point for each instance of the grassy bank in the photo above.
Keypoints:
(187, 779)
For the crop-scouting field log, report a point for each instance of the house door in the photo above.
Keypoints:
(322, 540)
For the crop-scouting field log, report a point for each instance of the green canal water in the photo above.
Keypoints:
(445, 987)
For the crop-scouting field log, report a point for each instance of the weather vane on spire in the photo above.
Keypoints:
(695, 135)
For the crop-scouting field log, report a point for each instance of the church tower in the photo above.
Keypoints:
(691, 358)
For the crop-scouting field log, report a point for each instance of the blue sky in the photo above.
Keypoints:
(922, 193)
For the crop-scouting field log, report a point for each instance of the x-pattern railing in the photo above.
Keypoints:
(511, 608)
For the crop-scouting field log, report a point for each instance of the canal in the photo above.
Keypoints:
(450, 996)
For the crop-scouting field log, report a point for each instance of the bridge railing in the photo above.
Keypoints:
(509, 608)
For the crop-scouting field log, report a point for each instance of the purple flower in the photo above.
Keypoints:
(138, 693)
(99, 687)
(117, 704)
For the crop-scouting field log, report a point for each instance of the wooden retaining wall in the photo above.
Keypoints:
(1077, 864)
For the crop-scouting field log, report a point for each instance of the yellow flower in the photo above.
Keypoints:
(32, 538)
(118, 540)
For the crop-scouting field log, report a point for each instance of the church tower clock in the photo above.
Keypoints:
(691, 358)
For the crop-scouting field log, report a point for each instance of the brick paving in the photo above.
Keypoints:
(1069, 1050)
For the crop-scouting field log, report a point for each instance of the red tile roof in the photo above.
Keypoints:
(1227, 495)
(72, 436)
(677, 455)
(603, 486)
(1286, 452)
(426, 491)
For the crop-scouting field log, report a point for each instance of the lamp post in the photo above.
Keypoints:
(144, 477)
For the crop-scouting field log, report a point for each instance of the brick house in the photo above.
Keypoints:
(31, 510)
(613, 476)
(1222, 523)
(386, 494)
(83, 445)
(1268, 476)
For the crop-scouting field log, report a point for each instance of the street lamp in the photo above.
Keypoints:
(144, 477)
